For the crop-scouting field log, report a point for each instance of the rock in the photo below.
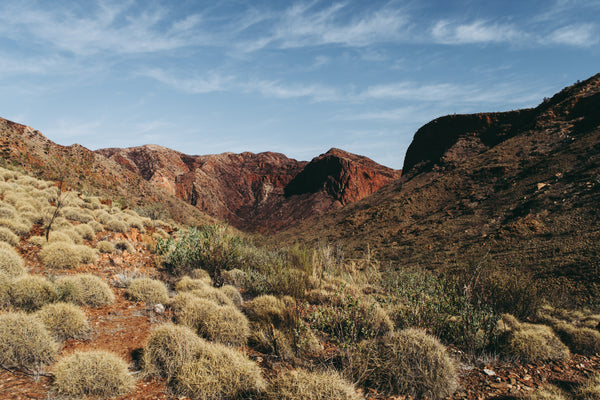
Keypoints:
(159, 308)
(489, 372)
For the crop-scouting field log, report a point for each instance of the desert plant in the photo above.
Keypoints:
(92, 373)
(87, 254)
(301, 384)
(104, 246)
(84, 290)
(17, 226)
(77, 214)
(85, 231)
(116, 225)
(25, 342)
(268, 309)
(4, 291)
(72, 234)
(213, 294)
(234, 294)
(6, 235)
(61, 255)
(124, 245)
(63, 320)
(187, 284)
(148, 290)
(550, 392)
(30, 292)
(58, 236)
(590, 389)
(11, 263)
(405, 362)
(218, 372)
(580, 340)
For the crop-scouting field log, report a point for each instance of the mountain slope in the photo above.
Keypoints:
(262, 192)
(517, 190)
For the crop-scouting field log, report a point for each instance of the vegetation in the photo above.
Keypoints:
(301, 384)
(148, 290)
(64, 321)
(11, 263)
(84, 290)
(94, 373)
(30, 292)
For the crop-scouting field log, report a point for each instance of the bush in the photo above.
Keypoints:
(223, 324)
(63, 320)
(405, 362)
(30, 292)
(124, 245)
(534, 343)
(218, 372)
(25, 342)
(148, 290)
(590, 389)
(187, 284)
(168, 348)
(84, 290)
(301, 384)
(77, 214)
(72, 234)
(116, 225)
(11, 263)
(104, 246)
(548, 393)
(93, 373)
(85, 231)
(87, 254)
(58, 236)
(60, 255)
(6, 235)
(234, 295)
(213, 294)
(580, 340)
(267, 309)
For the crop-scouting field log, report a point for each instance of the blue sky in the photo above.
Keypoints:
(296, 77)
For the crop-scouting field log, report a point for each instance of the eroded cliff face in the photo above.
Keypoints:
(263, 192)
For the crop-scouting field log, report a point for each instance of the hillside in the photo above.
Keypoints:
(262, 192)
(518, 190)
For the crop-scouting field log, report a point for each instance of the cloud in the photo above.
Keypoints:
(451, 32)
(280, 90)
(213, 82)
(575, 35)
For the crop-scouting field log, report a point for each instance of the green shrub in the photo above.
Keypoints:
(405, 362)
(6, 235)
(11, 263)
(124, 245)
(92, 373)
(116, 225)
(218, 372)
(84, 290)
(25, 342)
(590, 389)
(60, 255)
(168, 347)
(63, 320)
(301, 384)
(223, 324)
(105, 246)
(30, 292)
(148, 290)
(550, 392)
(532, 343)
(85, 231)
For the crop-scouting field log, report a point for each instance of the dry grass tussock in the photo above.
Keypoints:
(218, 372)
(11, 263)
(77, 214)
(30, 292)
(17, 226)
(222, 324)
(577, 329)
(405, 362)
(187, 284)
(84, 290)
(301, 384)
(104, 246)
(548, 393)
(64, 321)
(269, 309)
(148, 290)
(63, 255)
(25, 342)
(213, 294)
(590, 389)
(85, 231)
(4, 291)
(234, 295)
(93, 373)
(124, 245)
(116, 225)
(6, 235)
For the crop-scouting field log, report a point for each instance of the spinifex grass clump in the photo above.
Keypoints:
(301, 384)
(148, 290)
(550, 392)
(63, 320)
(63, 255)
(94, 373)
(25, 342)
(11, 263)
(30, 292)
(590, 389)
(84, 290)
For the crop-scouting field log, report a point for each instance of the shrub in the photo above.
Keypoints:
(187, 284)
(60, 255)
(267, 309)
(168, 348)
(58, 236)
(96, 226)
(17, 226)
(580, 340)
(218, 372)
(87, 254)
(405, 362)
(590, 389)
(31, 292)
(116, 225)
(124, 245)
(84, 290)
(234, 295)
(11, 263)
(148, 290)
(104, 246)
(4, 291)
(301, 384)
(6, 235)
(550, 392)
(63, 320)
(92, 373)
(213, 294)
(534, 343)
(25, 342)
(267, 340)
(72, 234)
(223, 324)
(85, 231)
(77, 214)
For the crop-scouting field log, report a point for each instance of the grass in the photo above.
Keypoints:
(64, 321)
(94, 373)
(104, 246)
(84, 290)
(25, 342)
(590, 389)
(11, 263)
(124, 245)
(148, 290)
(61, 255)
(550, 392)
(305, 385)
(187, 284)
(6, 235)
(31, 292)
(85, 231)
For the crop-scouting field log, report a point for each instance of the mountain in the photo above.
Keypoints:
(263, 192)
(27, 149)
(515, 190)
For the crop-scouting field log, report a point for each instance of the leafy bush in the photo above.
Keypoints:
(84, 290)
(30, 292)
(168, 347)
(25, 342)
(301, 384)
(104, 246)
(405, 362)
(148, 290)
(93, 373)
(218, 372)
(6, 235)
(11, 263)
(63, 320)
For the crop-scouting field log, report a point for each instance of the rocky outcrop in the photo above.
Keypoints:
(263, 192)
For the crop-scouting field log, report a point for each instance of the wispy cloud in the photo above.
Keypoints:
(212, 82)
(480, 31)
(576, 35)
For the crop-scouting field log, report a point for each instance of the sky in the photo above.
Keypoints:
(296, 77)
